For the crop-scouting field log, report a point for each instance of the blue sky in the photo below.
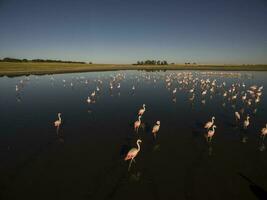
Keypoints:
(122, 31)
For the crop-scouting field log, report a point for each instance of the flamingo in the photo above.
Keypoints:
(57, 123)
(246, 122)
(210, 123)
(155, 128)
(204, 92)
(211, 133)
(88, 100)
(237, 116)
(137, 123)
(174, 91)
(264, 131)
(192, 98)
(93, 94)
(133, 153)
(142, 110)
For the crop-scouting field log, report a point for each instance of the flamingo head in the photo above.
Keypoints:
(144, 105)
(138, 141)
(59, 114)
(139, 117)
(214, 126)
(213, 118)
(248, 117)
(158, 122)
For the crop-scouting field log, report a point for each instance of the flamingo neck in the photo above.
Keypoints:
(213, 128)
(59, 118)
(138, 145)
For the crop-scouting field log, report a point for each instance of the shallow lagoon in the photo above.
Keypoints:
(84, 159)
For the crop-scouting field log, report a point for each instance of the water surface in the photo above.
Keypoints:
(84, 159)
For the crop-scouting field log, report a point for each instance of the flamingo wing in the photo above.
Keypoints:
(155, 129)
(208, 124)
(132, 153)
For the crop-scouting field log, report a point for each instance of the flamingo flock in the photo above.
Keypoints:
(133, 152)
(240, 99)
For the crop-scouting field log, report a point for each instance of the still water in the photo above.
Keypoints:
(84, 157)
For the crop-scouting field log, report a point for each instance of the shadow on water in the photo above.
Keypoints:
(258, 191)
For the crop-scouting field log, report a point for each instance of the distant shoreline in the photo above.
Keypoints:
(27, 68)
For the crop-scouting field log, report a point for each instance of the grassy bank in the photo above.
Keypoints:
(15, 69)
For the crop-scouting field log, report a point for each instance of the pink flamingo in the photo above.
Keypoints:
(57, 123)
(142, 110)
(246, 122)
(237, 116)
(133, 153)
(155, 128)
(264, 131)
(137, 123)
(210, 123)
(211, 133)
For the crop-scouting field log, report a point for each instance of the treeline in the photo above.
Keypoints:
(152, 62)
(188, 63)
(38, 60)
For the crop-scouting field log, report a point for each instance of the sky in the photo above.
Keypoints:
(125, 31)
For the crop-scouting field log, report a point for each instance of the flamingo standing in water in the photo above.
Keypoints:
(211, 133)
(137, 123)
(237, 116)
(142, 110)
(264, 131)
(57, 123)
(155, 128)
(93, 94)
(246, 122)
(133, 153)
(210, 123)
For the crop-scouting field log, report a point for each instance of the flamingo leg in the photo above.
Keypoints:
(130, 164)
(209, 139)
(57, 129)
